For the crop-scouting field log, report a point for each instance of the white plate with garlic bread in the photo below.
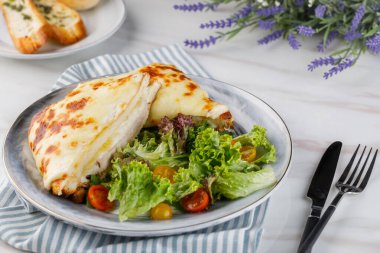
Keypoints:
(42, 29)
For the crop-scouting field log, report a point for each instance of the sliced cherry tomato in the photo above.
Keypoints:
(98, 197)
(196, 201)
(164, 172)
(248, 153)
(161, 212)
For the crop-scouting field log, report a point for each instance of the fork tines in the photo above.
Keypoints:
(351, 180)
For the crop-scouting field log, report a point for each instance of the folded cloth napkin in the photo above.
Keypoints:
(26, 228)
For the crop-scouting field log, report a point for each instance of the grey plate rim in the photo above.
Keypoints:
(161, 232)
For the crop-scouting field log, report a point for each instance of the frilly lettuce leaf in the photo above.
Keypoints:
(217, 154)
(257, 137)
(233, 184)
(136, 189)
(184, 184)
(154, 154)
(207, 159)
(212, 151)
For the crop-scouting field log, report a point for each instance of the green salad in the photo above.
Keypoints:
(185, 164)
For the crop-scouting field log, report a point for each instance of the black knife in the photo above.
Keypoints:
(320, 185)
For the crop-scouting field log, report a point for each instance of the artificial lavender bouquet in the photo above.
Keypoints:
(355, 23)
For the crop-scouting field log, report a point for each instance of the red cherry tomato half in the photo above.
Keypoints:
(196, 201)
(98, 197)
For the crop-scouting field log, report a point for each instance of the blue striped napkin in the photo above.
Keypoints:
(24, 227)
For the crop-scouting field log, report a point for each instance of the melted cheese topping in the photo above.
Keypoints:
(180, 94)
(77, 136)
(68, 137)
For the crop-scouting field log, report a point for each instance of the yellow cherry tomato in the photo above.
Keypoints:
(164, 172)
(248, 153)
(161, 212)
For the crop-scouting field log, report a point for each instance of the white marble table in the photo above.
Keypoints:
(317, 111)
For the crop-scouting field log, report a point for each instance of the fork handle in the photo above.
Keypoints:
(309, 242)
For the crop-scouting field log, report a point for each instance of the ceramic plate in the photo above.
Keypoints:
(247, 110)
(101, 23)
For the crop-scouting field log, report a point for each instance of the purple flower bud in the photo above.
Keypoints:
(194, 7)
(359, 14)
(271, 37)
(373, 44)
(376, 6)
(339, 68)
(316, 63)
(321, 47)
(218, 24)
(320, 11)
(341, 5)
(352, 35)
(201, 43)
(305, 31)
(299, 3)
(243, 12)
(266, 24)
(270, 11)
(293, 42)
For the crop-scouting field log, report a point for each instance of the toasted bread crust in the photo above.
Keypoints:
(64, 34)
(69, 36)
(31, 43)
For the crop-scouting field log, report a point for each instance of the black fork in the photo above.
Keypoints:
(349, 182)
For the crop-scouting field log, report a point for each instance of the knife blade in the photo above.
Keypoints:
(320, 185)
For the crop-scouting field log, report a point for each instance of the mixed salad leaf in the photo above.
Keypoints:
(200, 157)
(136, 188)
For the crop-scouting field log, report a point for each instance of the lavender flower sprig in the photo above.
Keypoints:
(356, 21)
(293, 42)
(194, 7)
(220, 24)
(320, 11)
(359, 14)
(323, 45)
(339, 68)
(352, 33)
(211, 40)
(305, 31)
(270, 11)
(266, 24)
(373, 44)
(271, 37)
(322, 62)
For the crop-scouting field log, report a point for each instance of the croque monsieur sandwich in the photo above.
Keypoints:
(77, 136)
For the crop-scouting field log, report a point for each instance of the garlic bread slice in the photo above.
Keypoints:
(66, 24)
(26, 25)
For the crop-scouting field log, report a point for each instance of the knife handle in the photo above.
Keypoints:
(311, 238)
(310, 224)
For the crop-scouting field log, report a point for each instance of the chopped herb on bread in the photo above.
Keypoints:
(26, 25)
(31, 22)
(66, 25)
